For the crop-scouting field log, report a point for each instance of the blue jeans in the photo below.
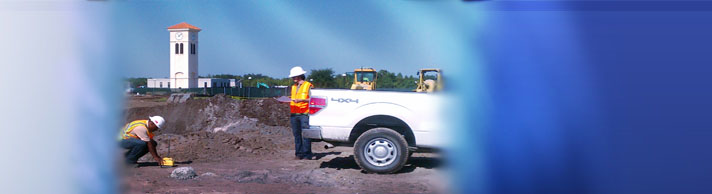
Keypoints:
(136, 149)
(302, 146)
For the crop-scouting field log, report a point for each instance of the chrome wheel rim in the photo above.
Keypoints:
(380, 152)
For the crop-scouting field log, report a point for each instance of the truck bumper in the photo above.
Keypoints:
(314, 132)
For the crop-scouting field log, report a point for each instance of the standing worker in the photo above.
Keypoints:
(299, 109)
(137, 138)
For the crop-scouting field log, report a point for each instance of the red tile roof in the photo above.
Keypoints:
(183, 25)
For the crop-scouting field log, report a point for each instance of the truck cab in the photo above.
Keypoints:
(364, 79)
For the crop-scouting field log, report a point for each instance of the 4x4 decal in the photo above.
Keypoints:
(344, 100)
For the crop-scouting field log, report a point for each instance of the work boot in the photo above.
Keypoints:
(310, 157)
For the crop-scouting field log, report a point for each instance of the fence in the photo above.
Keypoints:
(245, 92)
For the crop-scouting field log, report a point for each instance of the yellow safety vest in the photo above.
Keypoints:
(126, 133)
(301, 94)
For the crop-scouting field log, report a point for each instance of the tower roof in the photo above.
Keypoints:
(183, 25)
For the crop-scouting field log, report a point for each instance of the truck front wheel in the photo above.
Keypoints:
(381, 150)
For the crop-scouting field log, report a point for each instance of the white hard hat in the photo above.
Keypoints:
(158, 120)
(296, 71)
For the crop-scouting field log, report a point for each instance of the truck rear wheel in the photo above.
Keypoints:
(381, 150)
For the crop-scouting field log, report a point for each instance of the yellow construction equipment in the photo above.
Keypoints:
(167, 162)
(364, 79)
(430, 80)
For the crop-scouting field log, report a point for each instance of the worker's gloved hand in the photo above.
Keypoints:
(160, 161)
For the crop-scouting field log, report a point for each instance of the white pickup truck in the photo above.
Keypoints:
(384, 127)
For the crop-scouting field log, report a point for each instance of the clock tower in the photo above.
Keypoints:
(184, 55)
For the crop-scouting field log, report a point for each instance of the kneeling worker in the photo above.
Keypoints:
(137, 138)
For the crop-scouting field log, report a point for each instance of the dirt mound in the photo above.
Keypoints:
(191, 116)
(268, 111)
(218, 146)
(219, 127)
(219, 111)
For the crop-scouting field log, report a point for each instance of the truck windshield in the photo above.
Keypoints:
(365, 76)
(432, 75)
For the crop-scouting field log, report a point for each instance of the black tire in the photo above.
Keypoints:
(388, 151)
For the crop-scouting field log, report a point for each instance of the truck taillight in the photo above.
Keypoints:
(316, 104)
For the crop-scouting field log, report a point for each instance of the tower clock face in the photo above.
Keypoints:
(179, 35)
(192, 36)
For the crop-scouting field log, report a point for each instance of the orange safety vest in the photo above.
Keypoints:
(301, 94)
(126, 134)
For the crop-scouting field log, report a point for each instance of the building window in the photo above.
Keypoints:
(176, 48)
(205, 84)
(181, 48)
(161, 84)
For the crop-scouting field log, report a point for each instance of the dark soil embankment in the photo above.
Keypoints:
(219, 127)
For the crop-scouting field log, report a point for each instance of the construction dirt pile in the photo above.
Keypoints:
(219, 127)
(267, 111)
(215, 112)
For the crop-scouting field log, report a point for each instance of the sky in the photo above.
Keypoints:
(270, 37)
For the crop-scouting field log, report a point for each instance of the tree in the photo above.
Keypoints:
(225, 76)
(137, 82)
(323, 78)
(386, 79)
(344, 80)
(251, 79)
